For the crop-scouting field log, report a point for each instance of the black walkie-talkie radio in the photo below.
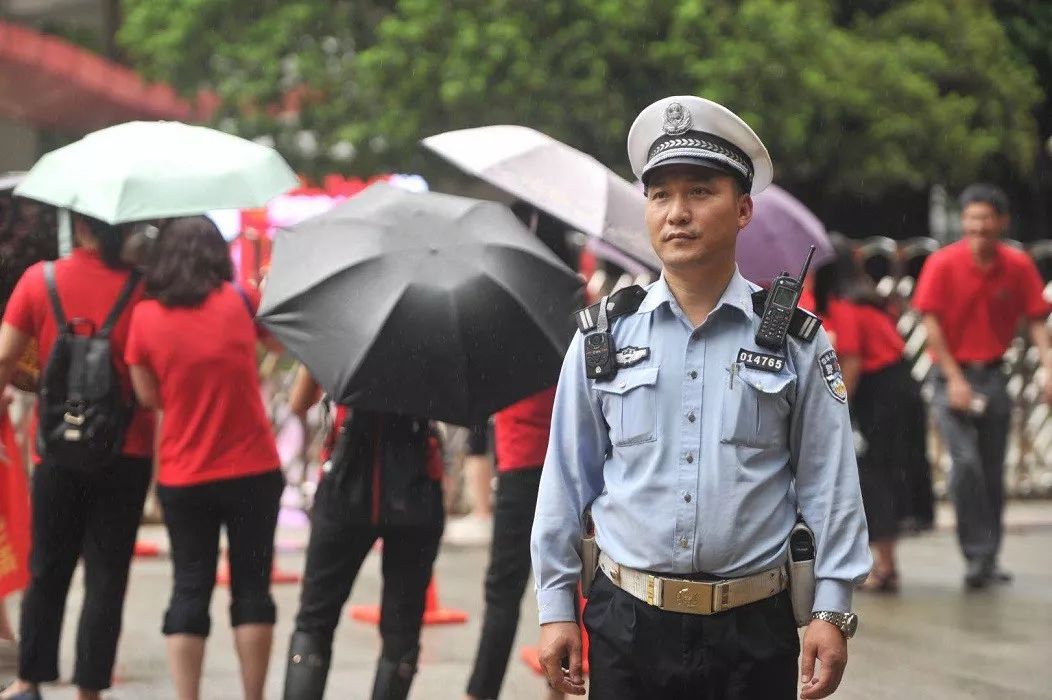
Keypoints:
(780, 307)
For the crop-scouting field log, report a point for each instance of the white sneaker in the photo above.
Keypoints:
(469, 531)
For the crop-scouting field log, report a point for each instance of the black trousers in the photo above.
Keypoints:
(506, 577)
(248, 508)
(75, 516)
(893, 470)
(638, 652)
(339, 543)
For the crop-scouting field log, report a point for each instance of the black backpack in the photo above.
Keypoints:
(83, 410)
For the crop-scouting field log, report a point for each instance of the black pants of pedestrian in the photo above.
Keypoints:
(638, 652)
(893, 467)
(74, 516)
(248, 508)
(339, 543)
(977, 446)
(506, 577)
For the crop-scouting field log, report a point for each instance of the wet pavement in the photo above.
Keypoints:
(933, 641)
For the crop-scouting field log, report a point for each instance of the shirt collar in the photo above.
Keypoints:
(738, 295)
(993, 267)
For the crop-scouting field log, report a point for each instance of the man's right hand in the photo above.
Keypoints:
(959, 394)
(562, 640)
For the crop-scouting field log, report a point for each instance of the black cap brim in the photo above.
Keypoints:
(709, 163)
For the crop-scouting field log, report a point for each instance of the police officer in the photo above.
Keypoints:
(695, 452)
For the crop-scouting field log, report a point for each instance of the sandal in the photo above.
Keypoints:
(880, 582)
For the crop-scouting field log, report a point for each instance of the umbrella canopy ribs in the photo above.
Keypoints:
(421, 304)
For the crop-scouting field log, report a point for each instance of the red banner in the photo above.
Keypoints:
(14, 513)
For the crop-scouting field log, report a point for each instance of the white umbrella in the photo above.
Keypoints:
(562, 181)
(10, 180)
(153, 170)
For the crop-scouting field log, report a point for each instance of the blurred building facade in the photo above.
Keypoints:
(60, 77)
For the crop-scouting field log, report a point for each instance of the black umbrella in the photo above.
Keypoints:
(421, 304)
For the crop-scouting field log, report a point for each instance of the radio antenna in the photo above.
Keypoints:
(807, 263)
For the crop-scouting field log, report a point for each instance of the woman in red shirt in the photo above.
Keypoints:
(87, 511)
(885, 403)
(192, 354)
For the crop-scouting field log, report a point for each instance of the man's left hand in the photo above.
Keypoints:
(826, 643)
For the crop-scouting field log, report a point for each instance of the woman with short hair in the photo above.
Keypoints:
(885, 403)
(192, 353)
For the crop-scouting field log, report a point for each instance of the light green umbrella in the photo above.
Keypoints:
(153, 170)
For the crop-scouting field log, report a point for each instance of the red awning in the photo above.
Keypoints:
(52, 84)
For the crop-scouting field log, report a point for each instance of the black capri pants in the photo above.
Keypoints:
(248, 508)
(894, 466)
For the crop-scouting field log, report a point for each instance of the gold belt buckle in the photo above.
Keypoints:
(693, 597)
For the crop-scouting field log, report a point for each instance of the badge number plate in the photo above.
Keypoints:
(761, 360)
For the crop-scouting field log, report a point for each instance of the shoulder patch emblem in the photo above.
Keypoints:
(830, 368)
(628, 356)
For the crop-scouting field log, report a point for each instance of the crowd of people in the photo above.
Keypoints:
(184, 340)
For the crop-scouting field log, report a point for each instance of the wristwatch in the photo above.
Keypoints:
(847, 623)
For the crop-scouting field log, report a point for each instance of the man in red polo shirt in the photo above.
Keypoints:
(973, 294)
(521, 433)
(77, 515)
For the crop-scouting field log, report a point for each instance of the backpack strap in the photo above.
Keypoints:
(118, 308)
(52, 293)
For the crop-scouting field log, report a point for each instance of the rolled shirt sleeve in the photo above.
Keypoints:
(571, 479)
(827, 487)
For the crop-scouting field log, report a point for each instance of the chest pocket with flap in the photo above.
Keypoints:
(756, 408)
(629, 403)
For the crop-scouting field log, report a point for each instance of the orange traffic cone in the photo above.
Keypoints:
(145, 548)
(434, 614)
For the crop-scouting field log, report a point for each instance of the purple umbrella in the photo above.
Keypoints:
(777, 239)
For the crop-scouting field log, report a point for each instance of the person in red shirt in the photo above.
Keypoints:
(885, 404)
(973, 294)
(192, 353)
(521, 435)
(77, 514)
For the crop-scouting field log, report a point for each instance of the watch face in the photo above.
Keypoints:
(851, 625)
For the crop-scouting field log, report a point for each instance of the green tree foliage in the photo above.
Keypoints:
(849, 102)
(1028, 24)
(280, 68)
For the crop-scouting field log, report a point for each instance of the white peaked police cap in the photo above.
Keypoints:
(692, 130)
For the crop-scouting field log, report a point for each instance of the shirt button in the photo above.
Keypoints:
(686, 497)
(691, 417)
(693, 374)
(684, 542)
(690, 458)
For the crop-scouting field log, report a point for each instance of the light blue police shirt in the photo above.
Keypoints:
(694, 462)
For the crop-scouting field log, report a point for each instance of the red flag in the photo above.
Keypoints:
(14, 513)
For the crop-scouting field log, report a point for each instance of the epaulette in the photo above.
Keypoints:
(621, 303)
(804, 325)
